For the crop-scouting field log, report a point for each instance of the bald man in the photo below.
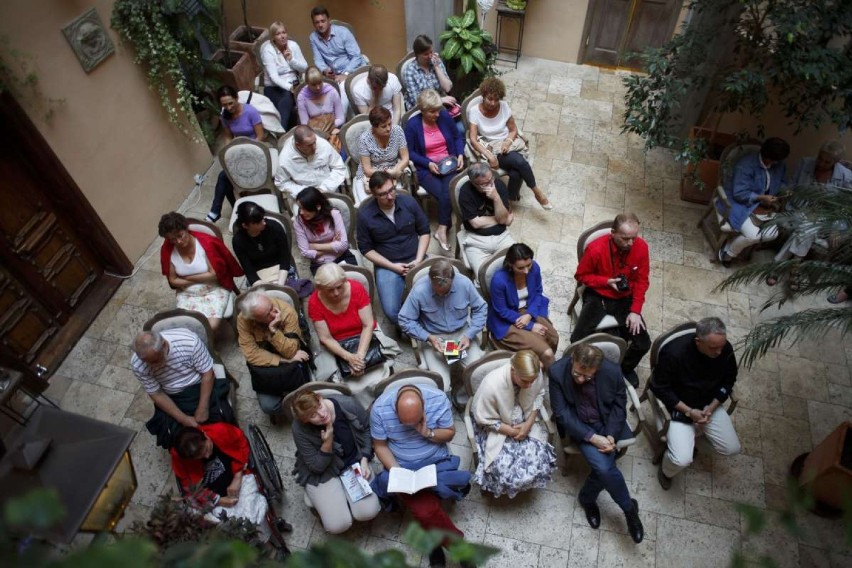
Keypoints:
(411, 426)
(308, 160)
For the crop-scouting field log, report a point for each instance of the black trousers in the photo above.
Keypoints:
(595, 307)
(284, 103)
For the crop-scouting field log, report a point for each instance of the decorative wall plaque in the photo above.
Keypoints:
(89, 39)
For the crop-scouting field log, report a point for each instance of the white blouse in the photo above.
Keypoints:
(197, 266)
(491, 128)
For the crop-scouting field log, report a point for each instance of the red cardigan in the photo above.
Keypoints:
(596, 268)
(230, 440)
(221, 259)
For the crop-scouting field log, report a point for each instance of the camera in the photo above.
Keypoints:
(621, 284)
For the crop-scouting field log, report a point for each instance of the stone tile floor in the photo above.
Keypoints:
(788, 402)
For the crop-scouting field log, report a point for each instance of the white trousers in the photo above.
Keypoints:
(478, 248)
(681, 440)
(335, 509)
(750, 234)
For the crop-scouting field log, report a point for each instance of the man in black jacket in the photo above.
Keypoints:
(694, 376)
(589, 399)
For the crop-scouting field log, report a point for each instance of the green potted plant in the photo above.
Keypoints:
(786, 55)
(469, 50)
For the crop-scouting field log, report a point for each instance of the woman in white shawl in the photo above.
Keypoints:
(513, 449)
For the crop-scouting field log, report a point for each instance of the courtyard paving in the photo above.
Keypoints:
(789, 401)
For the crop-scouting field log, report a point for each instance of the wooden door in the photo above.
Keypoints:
(54, 251)
(614, 28)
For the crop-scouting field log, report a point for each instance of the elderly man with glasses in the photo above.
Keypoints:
(589, 399)
(444, 307)
(484, 205)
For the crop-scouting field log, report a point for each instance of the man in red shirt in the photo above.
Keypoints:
(614, 270)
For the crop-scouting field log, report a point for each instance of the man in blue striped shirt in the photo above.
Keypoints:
(411, 426)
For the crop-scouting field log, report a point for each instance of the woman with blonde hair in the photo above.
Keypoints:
(282, 63)
(332, 437)
(514, 454)
(320, 106)
(435, 146)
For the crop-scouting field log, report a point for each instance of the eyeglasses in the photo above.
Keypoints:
(487, 183)
(578, 375)
(441, 281)
(386, 193)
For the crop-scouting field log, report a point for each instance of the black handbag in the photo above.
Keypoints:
(279, 380)
(373, 357)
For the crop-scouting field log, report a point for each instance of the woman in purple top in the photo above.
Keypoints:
(320, 230)
(238, 119)
(319, 101)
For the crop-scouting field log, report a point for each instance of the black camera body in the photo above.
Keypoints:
(621, 284)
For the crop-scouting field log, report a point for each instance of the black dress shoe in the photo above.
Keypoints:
(437, 558)
(593, 514)
(634, 523)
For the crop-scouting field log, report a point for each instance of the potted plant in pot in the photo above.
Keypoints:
(235, 68)
(248, 38)
(469, 50)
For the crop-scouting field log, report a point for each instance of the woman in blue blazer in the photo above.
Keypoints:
(517, 315)
(432, 136)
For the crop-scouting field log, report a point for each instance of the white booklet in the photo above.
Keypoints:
(356, 486)
(403, 480)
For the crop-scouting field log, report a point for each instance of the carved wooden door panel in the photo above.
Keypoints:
(52, 266)
(615, 28)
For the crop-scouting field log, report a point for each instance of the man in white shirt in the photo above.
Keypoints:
(309, 160)
(176, 371)
(379, 88)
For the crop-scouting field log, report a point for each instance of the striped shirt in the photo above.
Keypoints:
(380, 158)
(185, 362)
(405, 442)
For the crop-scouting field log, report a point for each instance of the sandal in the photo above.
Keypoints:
(771, 280)
(795, 281)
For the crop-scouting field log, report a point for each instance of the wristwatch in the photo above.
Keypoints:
(431, 433)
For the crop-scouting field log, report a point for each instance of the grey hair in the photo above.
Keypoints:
(302, 132)
(147, 342)
(587, 355)
(833, 148)
(478, 170)
(710, 326)
(250, 302)
(328, 274)
(442, 268)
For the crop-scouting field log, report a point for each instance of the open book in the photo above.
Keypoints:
(356, 486)
(452, 352)
(403, 480)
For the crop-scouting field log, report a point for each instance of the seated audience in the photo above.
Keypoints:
(343, 317)
(589, 402)
(336, 52)
(444, 307)
(614, 269)
(278, 359)
(514, 454)
(332, 435)
(382, 147)
(694, 376)
(752, 192)
(320, 230)
(211, 464)
(320, 107)
(432, 139)
(494, 134)
(824, 170)
(238, 119)
(484, 206)
(411, 427)
(393, 234)
(427, 71)
(378, 89)
(283, 62)
(262, 247)
(517, 315)
(176, 372)
(200, 268)
(308, 160)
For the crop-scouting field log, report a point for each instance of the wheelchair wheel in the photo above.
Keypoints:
(263, 463)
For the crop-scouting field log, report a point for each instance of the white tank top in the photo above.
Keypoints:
(197, 266)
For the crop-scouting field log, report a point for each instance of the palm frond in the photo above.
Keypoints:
(798, 326)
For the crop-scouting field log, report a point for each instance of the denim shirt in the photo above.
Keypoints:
(749, 182)
(425, 312)
(340, 52)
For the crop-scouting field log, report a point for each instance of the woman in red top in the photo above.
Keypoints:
(340, 309)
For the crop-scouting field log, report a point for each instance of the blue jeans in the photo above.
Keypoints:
(389, 285)
(605, 475)
(439, 188)
(224, 189)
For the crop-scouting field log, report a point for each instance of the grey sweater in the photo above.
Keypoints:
(313, 466)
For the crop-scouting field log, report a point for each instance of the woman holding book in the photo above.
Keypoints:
(334, 448)
(514, 454)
